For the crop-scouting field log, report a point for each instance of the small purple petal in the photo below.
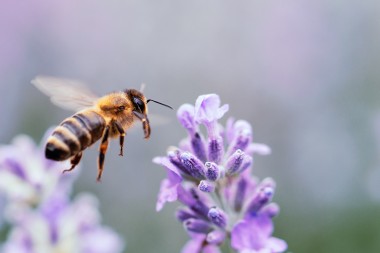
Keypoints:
(268, 182)
(276, 245)
(185, 116)
(173, 172)
(258, 148)
(169, 186)
(271, 210)
(229, 132)
(167, 193)
(197, 226)
(207, 109)
(241, 126)
(245, 236)
(218, 217)
(206, 186)
(253, 234)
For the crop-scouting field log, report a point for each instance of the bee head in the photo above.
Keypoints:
(138, 100)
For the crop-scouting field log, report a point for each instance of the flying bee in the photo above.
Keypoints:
(96, 118)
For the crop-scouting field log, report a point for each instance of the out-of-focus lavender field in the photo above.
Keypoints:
(305, 74)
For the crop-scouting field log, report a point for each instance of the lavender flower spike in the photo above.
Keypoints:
(223, 200)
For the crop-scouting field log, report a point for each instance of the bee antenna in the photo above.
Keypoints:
(159, 103)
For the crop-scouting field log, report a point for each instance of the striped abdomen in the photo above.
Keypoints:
(74, 134)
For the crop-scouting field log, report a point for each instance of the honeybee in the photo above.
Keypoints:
(105, 117)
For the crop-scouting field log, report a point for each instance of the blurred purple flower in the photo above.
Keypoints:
(61, 226)
(27, 177)
(38, 209)
(212, 178)
(253, 234)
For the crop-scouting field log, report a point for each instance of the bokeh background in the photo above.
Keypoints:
(304, 73)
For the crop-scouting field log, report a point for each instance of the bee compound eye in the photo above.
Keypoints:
(139, 104)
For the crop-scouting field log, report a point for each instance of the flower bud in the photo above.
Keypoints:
(215, 149)
(198, 146)
(242, 137)
(183, 215)
(193, 165)
(197, 226)
(212, 172)
(263, 197)
(240, 194)
(238, 162)
(206, 186)
(218, 217)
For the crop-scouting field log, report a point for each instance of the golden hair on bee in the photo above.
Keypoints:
(96, 118)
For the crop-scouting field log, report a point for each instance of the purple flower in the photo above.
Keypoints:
(38, 210)
(61, 226)
(198, 243)
(169, 186)
(27, 177)
(208, 110)
(211, 176)
(253, 235)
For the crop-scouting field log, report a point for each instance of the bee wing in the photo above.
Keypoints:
(66, 93)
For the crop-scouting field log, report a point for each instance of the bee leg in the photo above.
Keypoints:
(74, 162)
(145, 123)
(102, 152)
(122, 135)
